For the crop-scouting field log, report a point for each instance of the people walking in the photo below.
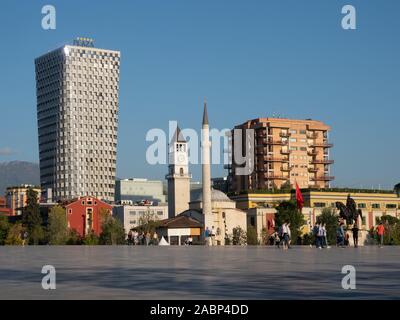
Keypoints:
(340, 235)
(129, 237)
(289, 233)
(315, 232)
(148, 238)
(285, 235)
(321, 236)
(155, 238)
(207, 236)
(325, 235)
(355, 235)
(381, 232)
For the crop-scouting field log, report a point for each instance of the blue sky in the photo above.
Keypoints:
(250, 58)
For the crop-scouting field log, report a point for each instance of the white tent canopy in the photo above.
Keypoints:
(163, 242)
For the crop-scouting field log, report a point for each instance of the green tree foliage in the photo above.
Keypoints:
(4, 227)
(57, 228)
(239, 236)
(392, 230)
(73, 238)
(14, 235)
(252, 236)
(330, 219)
(91, 239)
(287, 211)
(148, 222)
(31, 218)
(112, 230)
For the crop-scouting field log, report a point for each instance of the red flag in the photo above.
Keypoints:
(299, 198)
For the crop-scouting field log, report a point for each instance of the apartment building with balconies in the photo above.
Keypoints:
(286, 152)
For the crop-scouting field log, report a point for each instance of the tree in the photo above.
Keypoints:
(239, 236)
(252, 236)
(112, 230)
(73, 238)
(57, 228)
(148, 222)
(330, 219)
(287, 211)
(31, 218)
(91, 239)
(4, 227)
(14, 234)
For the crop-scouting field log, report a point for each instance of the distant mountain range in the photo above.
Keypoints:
(18, 172)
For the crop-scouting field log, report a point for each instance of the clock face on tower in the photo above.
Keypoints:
(181, 158)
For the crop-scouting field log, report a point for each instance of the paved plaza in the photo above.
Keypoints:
(196, 272)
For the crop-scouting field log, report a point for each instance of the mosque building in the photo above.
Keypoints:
(209, 211)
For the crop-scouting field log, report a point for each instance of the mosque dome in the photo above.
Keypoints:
(216, 195)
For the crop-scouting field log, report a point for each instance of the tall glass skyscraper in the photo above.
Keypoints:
(77, 112)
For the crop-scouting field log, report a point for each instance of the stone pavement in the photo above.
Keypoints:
(197, 272)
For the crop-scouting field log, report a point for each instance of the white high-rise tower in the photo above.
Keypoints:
(77, 112)
(178, 176)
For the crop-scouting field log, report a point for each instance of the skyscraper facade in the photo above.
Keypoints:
(77, 112)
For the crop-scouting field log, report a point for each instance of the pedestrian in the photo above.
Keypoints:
(135, 237)
(155, 238)
(212, 236)
(129, 237)
(289, 232)
(346, 239)
(207, 236)
(315, 232)
(381, 231)
(277, 239)
(190, 240)
(285, 234)
(340, 235)
(140, 238)
(355, 235)
(148, 238)
(321, 236)
(325, 235)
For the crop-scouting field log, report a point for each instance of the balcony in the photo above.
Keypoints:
(286, 168)
(312, 135)
(275, 141)
(312, 170)
(325, 161)
(285, 151)
(275, 159)
(269, 175)
(312, 153)
(285, 134)
(322, 178)
(322, 145)
(261, 134)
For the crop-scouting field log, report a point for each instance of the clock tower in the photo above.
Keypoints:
(178, 176)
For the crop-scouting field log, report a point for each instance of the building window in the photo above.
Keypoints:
(302, 131)
(376, 206)
(319, 204)
(361, 206)
(252, 221)
(391, 206)
(293, 131)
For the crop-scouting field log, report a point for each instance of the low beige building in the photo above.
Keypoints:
(16, 197)
(373, 203)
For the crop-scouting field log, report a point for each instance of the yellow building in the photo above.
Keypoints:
(286, 151)
(373, 203)
(16, 197)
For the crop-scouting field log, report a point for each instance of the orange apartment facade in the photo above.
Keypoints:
(286, 151)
